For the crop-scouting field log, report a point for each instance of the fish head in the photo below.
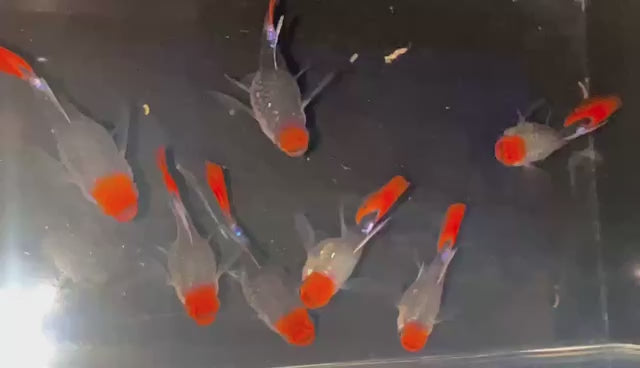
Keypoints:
(317, 289)
(202, 303)
(414, 336)
(116, 194)
(511, 150)
(293, 138)
(296, 327)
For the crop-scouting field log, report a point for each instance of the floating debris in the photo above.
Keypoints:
(396, 53)
(42, 59)
(146, 109)
(353, 58)
(345, 167)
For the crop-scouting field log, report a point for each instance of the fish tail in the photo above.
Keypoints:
(450, 228)
(216, 182)
(169, 182)
(595, 110)
(13, 64)
(382, 200)
(271, 31)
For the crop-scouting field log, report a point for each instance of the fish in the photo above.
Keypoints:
(192, 264)
(93, 160)
(264, 288)
(528, 142)
(276, 102)
(419, 306)
(593, 112)
(330, 262)
(277, 304)
(377, 204)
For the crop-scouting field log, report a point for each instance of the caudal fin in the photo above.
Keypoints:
(381, 201)
(218, 186)
(451, 227)
(13, 64)
(593, 113)
(169, 182)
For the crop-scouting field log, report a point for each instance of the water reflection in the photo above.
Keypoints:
(22, 313)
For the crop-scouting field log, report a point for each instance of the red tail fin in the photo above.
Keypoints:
(13, 64)
(270, 12)
(383, 199)
(169, 182)
(215, 180)
(596, 109)
(451, 226)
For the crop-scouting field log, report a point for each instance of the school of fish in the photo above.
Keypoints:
(95, 161)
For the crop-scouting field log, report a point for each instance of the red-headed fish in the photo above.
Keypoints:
(330, 262)
(277, 304)
(276, 102)
(527, 142)
(419, 306)
(193, 269)
(94, 162)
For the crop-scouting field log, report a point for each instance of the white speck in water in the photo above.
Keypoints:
(271, 241)
(30, 39)
(42, 59)
(141, 264)
(244, 31)
(334, 180)
(269, 104)
(123, 293)
(122, 246)
(539, 28)
(353, 58)
(345, 167)
(227, 37)
(392, 9)
(232, 112)
(21, 29)
(26, 253)
(46, 227)
(333, 255)
(447, 107)
(308, 158)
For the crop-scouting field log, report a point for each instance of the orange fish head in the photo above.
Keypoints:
(202, 304)
(414, 336)
(316, 290)
(293, 139)
(511, 150)
(296, 327)
(117, 196)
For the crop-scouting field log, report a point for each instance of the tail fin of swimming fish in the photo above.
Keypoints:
(591, 114)
(178, 208)
(271, 33)
(169, 182)
(380, 202)
(13, 64)
(451, 227)
(218, 186)
(449, 234)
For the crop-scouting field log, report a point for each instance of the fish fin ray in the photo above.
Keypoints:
(232, 102)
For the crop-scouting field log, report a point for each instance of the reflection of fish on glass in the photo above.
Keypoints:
(527, 142)
(276, 102)
(331, 261)
(419, 306)
(93, 160)
(264, 288)
(194, 270)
